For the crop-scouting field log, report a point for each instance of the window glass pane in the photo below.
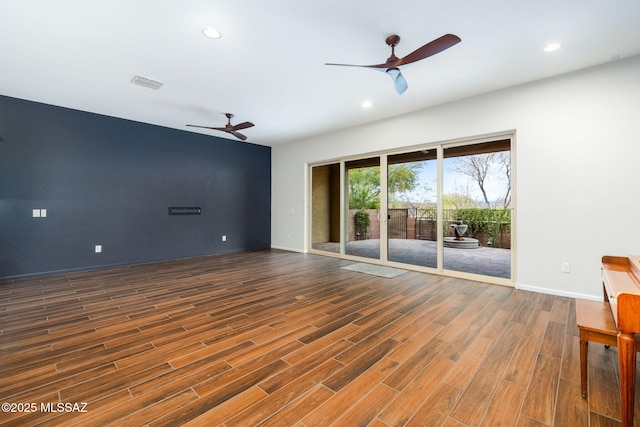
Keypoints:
(477, 208)
(325, 208)
(412, 208)
(363, 208)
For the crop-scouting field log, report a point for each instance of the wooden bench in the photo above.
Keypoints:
(596, 324)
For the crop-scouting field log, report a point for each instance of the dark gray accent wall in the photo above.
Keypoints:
(108, 181)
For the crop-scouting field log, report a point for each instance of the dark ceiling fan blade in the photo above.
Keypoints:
(229, 128)
(393, 64)
(238, 135)
(244, 125)
(398, 80)
(429, 49)
(363, 66)
(207, 127)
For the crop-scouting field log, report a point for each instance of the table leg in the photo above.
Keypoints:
(627, 363)
(584, 356)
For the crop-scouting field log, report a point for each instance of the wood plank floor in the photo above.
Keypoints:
(275, 338)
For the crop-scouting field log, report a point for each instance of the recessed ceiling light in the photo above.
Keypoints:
(212, 33)
(552, 47)
(366, 104)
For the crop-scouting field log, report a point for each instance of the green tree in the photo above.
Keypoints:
(364, 184)
(364, 188)
(402, 178)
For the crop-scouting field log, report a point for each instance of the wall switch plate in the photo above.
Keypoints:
(224, 238)
(565, 267)
(98, 249)
(36, 213)
(43, 213)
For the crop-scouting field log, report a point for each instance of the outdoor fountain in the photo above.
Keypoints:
(460, 242)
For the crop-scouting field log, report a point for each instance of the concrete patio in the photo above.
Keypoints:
(494, 262)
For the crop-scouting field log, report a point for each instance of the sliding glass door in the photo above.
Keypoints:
(446, 208)
(326, 208)
(412, 208)
(363, 215)
(477, 208)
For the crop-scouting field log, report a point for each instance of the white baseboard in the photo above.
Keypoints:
(556, 292)
(284, 248)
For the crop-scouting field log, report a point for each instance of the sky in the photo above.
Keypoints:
(454, 182)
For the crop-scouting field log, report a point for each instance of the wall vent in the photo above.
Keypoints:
(148, 83)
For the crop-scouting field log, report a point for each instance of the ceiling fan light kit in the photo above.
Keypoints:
(398, 80)
(393, 63)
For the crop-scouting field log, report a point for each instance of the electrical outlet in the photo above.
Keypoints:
(565, 267)
(224, 238)
(98, 249)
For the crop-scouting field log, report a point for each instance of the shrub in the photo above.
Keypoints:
(362, 223)
(493, 222)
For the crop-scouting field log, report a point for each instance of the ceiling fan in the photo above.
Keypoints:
(229, 128)
(393, 64)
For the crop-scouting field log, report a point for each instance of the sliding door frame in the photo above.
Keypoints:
(383, 260)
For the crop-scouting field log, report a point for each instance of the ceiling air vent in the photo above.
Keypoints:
(148, 83)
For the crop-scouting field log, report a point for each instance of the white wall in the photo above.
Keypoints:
(577, 169)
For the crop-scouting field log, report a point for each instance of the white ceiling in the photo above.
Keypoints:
(268, 67)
